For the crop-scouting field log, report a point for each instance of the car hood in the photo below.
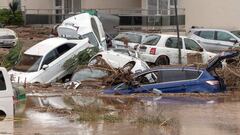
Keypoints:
(22, 77)
(216, 61)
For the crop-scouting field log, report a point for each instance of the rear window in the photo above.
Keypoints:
(178, 75)
(2, 82)
(172, 42)
(131, 37)
(151, 40)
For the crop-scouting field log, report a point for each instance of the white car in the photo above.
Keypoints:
(6, 102)
(84, 26)
(8, 38)
(43, 63)
(133, 38)
(118, 60)
(215, 40)
(162, 49)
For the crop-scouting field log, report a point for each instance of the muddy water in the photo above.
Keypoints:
(192, 116)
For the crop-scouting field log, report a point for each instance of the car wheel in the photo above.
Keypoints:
(162, 60)
(2, 115)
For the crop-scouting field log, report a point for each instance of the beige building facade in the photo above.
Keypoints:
(212, 13)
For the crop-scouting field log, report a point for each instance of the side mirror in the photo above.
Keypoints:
(44, 67)
(200, 50)
(233, 40)
(135, 84)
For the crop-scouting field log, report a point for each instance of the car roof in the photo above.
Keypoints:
(45, 46)
(5, 31)
(211, 29)
(134, 32)
(173, 67)
(169, 35)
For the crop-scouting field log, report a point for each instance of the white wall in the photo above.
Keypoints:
(100, 4)
(4, 3)
(212, 13)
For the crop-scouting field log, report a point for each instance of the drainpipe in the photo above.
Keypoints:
(178, 38)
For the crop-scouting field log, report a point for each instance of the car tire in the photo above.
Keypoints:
(162, 60)
(2, 115)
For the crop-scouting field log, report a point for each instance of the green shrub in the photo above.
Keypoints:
(12, 57)
(8, 18)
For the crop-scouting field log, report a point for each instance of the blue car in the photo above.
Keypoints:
(176, 79)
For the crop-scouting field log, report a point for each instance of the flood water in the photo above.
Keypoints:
(192, 116)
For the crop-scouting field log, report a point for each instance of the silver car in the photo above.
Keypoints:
(215, 40)
(8, 38)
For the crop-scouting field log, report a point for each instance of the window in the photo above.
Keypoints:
(178, 75)
(149, 78)
(50, 57)
(58, 3)
(95, 28)
(223, 36)
(172, 42)
(28, 63)
(197, 33)
(131, 37)
(236, 33)
(207, 34)
(151, 40)
(64, 48)
(92, 39)
(2, 82)
(191, 45)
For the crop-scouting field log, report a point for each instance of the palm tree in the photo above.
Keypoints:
(14, 6)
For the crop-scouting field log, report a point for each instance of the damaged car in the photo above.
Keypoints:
(176, 79)
(119, 60)
(162, 49)
(43, 63)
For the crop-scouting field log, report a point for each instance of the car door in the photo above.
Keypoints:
(224, 40)
(172, 50)
(55, 63)
(207, 40)
(165, 81)
(47, 74)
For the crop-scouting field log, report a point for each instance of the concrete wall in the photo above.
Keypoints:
(4, 3)
(100, 4)
(212, 13)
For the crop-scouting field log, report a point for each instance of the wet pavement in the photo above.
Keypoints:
(190, 116)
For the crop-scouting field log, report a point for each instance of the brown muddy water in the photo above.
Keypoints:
(188, 115)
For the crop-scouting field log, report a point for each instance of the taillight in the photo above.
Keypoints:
(212, 82)
(153, 51)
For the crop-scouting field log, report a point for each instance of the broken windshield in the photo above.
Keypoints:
(132, 38)
(28, 63)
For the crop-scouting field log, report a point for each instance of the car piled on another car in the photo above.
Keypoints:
(162, 49)
(176, 79)
(43, 63)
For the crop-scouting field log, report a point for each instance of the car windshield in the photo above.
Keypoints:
(28, 63)
(7, 37)
(89, 73)
(236, 33)
(151, 40)
(132, 38)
